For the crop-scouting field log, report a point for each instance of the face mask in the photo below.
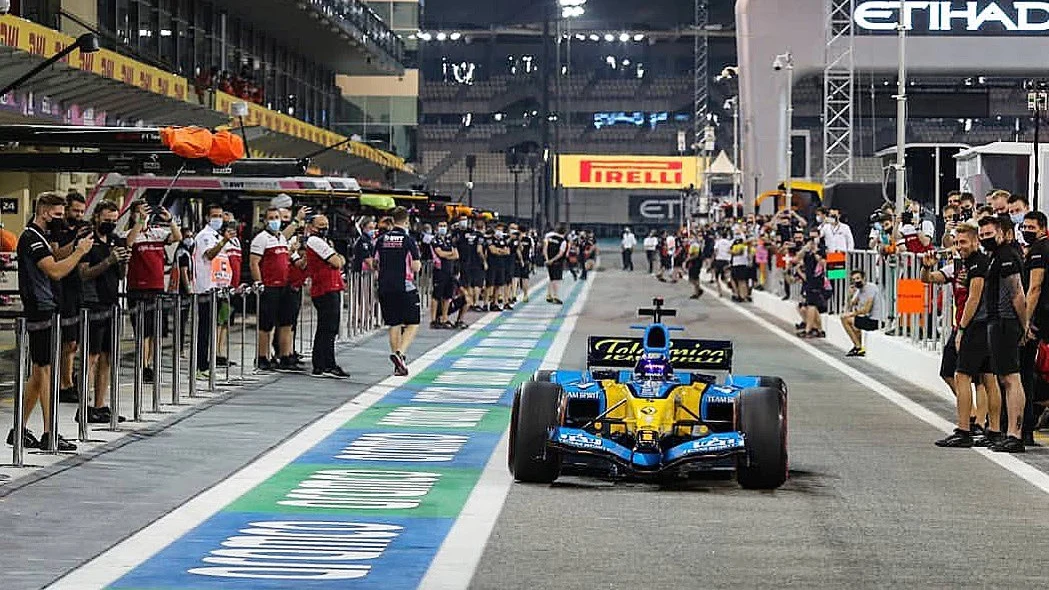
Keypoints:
(858, 284)
(321, 233)
(188, 243)
(370, 233)
(1030, 236)
(284, 224)
(106, 227)
(56, 225)
(215, 223)
(833, 219)
(273, 225)
(442, 231)
(989, 244)
(498, 234)
(967, 212)
(1017, 218)
(427, 237)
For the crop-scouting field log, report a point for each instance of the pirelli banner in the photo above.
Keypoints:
(628, 172)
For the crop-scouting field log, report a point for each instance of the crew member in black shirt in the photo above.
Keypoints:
(500, 262)
(471, 265)
(70, 296)
(445, 258)
(1007, 323)
(101, 272)
(523, 262)
(555, 251)
(398, 256)
(973, 362)
(1035, 263)
(38, 271)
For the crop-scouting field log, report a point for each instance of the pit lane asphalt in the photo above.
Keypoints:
(871, 503)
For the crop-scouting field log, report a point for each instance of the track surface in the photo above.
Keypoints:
(870, 503)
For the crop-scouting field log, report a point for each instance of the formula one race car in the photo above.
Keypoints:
(636, 412)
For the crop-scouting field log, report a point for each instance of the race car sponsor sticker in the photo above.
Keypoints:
(580, 439)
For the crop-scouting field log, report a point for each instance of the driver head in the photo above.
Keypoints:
(653, 368)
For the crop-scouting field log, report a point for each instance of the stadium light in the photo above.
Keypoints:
(442, 36)
(610, 37)
(624, 37)
(639, 37)
(580, 37)
(572, 11)
(455, 36)
(563, 3)
(594, 37)
(425, 36)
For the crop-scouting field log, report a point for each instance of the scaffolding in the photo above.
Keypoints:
(701, 79)
(838, 83)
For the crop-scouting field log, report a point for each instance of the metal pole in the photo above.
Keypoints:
(158, 366)
(229, 328)
(56, 359)
(194, 317)
(1037, 138)
(735, 152)
(176, 352)
(140, 325)
(901, 112)
(21, 345)
(114, 367)
(85, 363)
(517, 174)
(789, 181)
(258, 299)
(243, 328)
(213, 304)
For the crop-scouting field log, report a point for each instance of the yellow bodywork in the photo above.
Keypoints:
(641, 416)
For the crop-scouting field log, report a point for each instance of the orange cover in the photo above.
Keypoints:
(188, 142)
(226, 148)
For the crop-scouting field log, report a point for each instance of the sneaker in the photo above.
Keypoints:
(400, 368)
(860, 352)
(558, 301)
(29, 441)
(107, 414)
(959, 439)
(785, 298)
(435, 325)
(1043, 420)
(61, 444)
(852, 351)
(461, 325)
(446, 325)
(549, 299)
(317, 373)
(976, 429)
(147, 374)
(69, 395)
(203, 375)
(224, 362)
(288, 365)
(693, 296)
(1009, 444)
(336, 372)
(989, 439)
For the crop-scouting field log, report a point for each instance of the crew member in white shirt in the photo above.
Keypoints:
(628, 243)
(837, 236)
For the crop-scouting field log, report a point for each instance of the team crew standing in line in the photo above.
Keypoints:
(271, 265)
(211, 270)
(399, 264)
(38, 271)
(324, 266)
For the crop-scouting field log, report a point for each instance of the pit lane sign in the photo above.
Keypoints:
(951, 18)
(627, 172)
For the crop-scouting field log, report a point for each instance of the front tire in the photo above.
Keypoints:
(763, 422)
(536, 409)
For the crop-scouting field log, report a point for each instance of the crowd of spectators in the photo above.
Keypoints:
(243, 85)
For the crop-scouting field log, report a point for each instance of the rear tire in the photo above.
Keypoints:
(763, 422)
(536, 409)
(773, 382)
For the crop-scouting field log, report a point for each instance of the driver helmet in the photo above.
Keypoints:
(653, 368)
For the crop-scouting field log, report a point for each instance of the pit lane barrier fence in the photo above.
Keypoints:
(182, 314)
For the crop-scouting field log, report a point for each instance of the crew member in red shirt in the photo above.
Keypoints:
(227, 313)
(271, 265)
(148, 233)
(324, 266)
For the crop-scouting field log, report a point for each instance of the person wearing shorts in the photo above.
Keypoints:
(555, 249)
(445, 258)
(399, 264)
(270, 262)
(865, 313)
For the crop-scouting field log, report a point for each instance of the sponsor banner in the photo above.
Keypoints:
(628, 172)
(685, 353)
(367, 507)
(950, 18)
(655, 209)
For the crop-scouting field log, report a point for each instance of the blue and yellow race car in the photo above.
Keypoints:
(644, 407)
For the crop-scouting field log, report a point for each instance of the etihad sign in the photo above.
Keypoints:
(954, 17)
(627, 172)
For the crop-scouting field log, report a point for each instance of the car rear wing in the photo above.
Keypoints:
(623, 352)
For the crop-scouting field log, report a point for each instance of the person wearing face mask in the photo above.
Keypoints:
(70, 293)
(499, 261)
(523, 257)
(226, 312)
(324, 266)
(1036, 261)
(1006, 307)
(149, 232)
(38, 271)
(211, 270)
(837, 236)
(364, 248)
(1017, 206)
(445, 256)
(101, 272)
(270, 265)
(865, 313)
(399, 266)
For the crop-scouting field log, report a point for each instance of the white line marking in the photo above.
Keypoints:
(1015, 466)
(147, 542)
(455, 563)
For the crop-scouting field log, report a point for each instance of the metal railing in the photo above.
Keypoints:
(128, 321)
(929, 329)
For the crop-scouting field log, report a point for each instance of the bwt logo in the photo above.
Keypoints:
(631, 172)
(946, 16)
